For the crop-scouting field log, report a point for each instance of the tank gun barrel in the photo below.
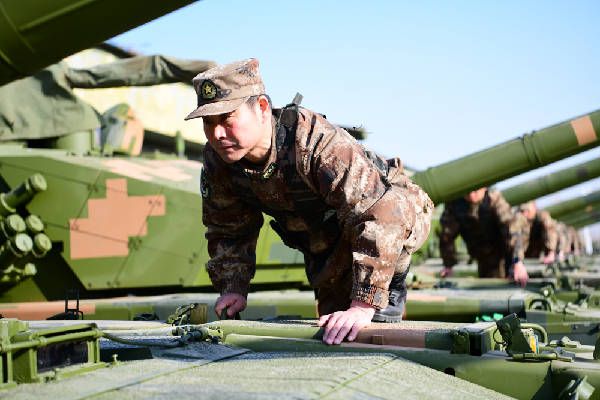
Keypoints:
(551, 183)
(35, 34)
(585, 222)
(578, 215)
(455, 178)
(566, 207)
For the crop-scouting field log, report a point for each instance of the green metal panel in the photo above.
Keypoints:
(551, 183)
(455, 178)
(35, 34)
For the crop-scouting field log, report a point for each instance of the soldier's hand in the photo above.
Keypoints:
(234, 302)
(520, 274)
(349, 322)
(549, 259)
(446, 272)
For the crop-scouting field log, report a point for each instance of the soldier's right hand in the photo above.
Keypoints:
(446, 272)
(549, 259)
(520, 275)
(234, 302)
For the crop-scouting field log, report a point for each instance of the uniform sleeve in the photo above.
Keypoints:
(450, 230)
(232, 229)
(564, 241)
(377, 220)
(549, 232)
(514, 227)
(137, 71)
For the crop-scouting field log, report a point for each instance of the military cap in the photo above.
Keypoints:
(224, 88)
(527, 206)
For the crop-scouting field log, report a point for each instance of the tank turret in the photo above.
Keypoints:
(533, 150)
(551, 183)
(37, 34)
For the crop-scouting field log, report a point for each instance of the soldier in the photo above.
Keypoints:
(494, 235)
(355, 216)
(564, 240)
(543, 235)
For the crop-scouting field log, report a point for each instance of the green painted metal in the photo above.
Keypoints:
(221, 371)
(569, 206)
(583, 224)
(40, 355)
(590, 211)
(551, 183)
(455, 178)
(36, 34)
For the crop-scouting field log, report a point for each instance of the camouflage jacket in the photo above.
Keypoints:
(44, 105)
(331, 198)
(543, 235)
(564, 243)
(575, 240)
(486, 227)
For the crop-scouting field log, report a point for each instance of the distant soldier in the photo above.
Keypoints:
(543, 234)
(44, 105)
(564, 240)
(494, 235)
(576, 247)
(355, 216)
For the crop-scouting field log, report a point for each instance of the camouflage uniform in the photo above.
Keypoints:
(355, 216)
(543, 235)
(564, 239)
(575, 241)
(494, 235)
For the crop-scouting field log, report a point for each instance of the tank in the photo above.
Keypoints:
(37, 34)
(453, 179)
(119, 224)
(552, 182)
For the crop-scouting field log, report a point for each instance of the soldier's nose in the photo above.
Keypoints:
(219, 132)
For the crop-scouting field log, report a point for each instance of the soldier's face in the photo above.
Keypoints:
(233, 135)
(475, 196)
(530, 212)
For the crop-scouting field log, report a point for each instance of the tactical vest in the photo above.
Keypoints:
(482, 236)
(308, 205)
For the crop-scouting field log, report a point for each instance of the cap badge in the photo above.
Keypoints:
(208, 90)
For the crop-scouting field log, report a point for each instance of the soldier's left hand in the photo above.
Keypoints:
(349, 322)
(520, 274)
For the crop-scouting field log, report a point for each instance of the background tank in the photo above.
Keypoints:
(35, 34)
(453, 179)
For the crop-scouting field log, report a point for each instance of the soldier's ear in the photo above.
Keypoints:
(263, 105)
